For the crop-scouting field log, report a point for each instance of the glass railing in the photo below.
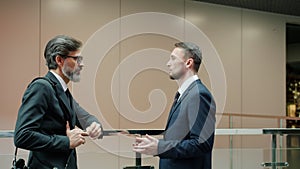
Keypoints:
(235, 148)
(243, 158)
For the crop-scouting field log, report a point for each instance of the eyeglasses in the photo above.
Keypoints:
(78, 59)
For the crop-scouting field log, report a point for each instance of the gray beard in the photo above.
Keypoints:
(71, 75)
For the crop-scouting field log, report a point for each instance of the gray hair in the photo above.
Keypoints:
(60, 45)
(191, 51)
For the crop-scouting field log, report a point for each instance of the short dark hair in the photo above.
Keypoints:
(60, 45)
(191, 51)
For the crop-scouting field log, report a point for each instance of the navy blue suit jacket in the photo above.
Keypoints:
(189, 135)
(41, 125)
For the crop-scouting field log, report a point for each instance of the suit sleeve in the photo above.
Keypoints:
(200, 112)
(35, 104)
(85, 118)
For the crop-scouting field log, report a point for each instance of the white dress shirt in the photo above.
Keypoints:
(186, 84)
(61, 81)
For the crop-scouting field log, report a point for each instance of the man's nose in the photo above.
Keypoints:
(168, 63)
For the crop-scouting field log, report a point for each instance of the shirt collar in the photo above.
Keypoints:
(187, 83)
(61, 81)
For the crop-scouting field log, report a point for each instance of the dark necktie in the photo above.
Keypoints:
(69, 96)
(71, 113)
(176, 98)
(173, 106)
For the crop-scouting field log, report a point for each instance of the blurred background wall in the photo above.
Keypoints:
(250, 44)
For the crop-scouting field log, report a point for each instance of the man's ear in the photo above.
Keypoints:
(59, 60)
(189, 62)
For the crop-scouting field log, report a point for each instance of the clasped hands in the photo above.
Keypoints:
(77, 136)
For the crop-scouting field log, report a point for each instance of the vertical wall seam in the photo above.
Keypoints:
(242, 87)
(40, 35)
(119, 53)
(184, 16)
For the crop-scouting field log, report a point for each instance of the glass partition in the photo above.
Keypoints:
(235, 148)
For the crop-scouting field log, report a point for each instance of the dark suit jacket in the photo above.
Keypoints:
(189, 135)
(41, 125)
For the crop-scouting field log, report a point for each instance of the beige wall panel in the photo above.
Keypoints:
(263, 75)
(145, 82)
(174, 7)
(224, 158)
(96, 160)
(150, 79)
(141, 90)
(19, 46)
(222, 142)
(224, 121)
(222, 25)
(258, 141)
(263, 63)
(77, 18)
(103, 82)
(90, 156)
(19, 49)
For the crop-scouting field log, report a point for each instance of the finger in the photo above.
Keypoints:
(141, 146)
(84, 134)
(98, 132)
(137, 135)
(67, 126)
(68, 131)
(150, 137)
(80, 131)
(94, 131)
(139, 139)
(94, 136)
(83, 141)
(94, 126)
(124, 132)
(138, 150)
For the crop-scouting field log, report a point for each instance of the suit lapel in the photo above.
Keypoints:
(63, 97)
(174, 108)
